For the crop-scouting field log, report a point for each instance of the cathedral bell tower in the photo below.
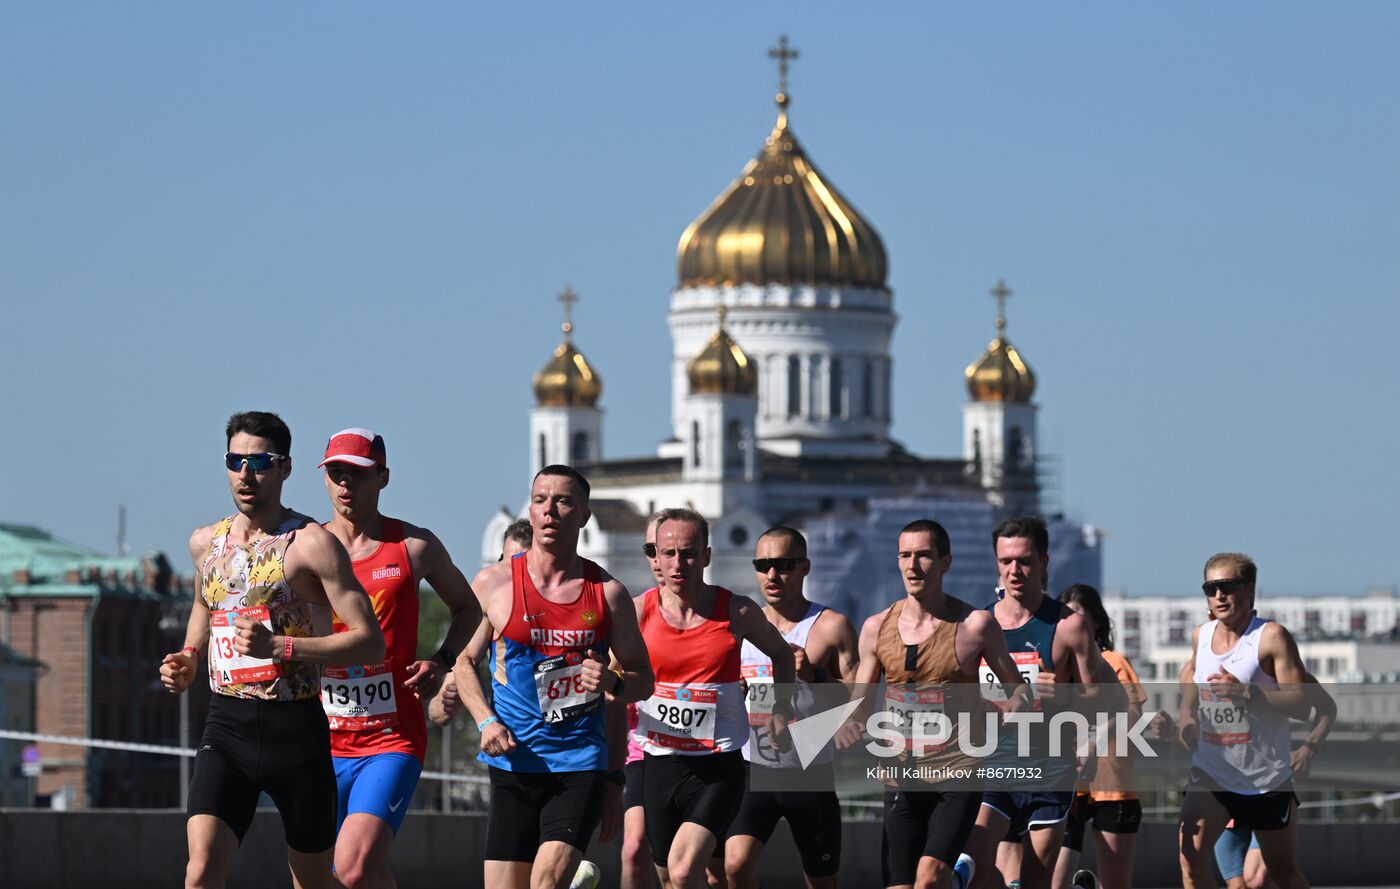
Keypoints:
(999, 420)
(718, 412)
(566, 425)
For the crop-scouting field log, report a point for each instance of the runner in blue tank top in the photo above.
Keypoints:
(550, 618)
(1051, 645)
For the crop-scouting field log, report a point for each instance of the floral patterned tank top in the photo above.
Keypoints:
(248, 580)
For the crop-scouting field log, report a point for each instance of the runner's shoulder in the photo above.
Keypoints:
(200, 539)
(872, 623)
(492, 580)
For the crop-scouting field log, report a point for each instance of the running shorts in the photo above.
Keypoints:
(381, 785)
(814, 817)
(1106, 816)
(529, 809)
(705, 790)
(925, 824)
(281, 748)
(1029, 810)
(635, 788)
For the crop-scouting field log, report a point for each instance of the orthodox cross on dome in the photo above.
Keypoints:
(783, 54)
(568, 298)
(1000, 293)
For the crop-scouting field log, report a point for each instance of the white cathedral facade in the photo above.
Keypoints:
(782, 326)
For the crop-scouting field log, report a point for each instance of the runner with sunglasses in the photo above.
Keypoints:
(1246, 681)
(378, 734)
(693, 726)
(269, 578)
(823, 644)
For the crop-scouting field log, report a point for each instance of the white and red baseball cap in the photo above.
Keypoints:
(358, 447)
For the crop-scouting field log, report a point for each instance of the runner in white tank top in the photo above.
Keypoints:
(824, 645)
(1243, 683)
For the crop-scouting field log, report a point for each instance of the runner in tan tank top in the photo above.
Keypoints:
(934, 642)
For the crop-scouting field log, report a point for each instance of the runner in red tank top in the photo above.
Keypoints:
(378, 735)
(694, 724)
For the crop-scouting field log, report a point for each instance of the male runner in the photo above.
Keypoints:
(1246, 682)
(823, 644)
(268, 580)
(693, 726)
(553, 771)
(638, 871)
(378, 740)
(928, 646)
(1052, 646)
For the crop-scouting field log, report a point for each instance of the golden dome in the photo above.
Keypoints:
(1000, 374)
(722, 368)
(781, 222)
(567, 380)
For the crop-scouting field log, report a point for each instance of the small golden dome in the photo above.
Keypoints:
(1000, 374)
(781, 222)
(567, 380)
(722, 368)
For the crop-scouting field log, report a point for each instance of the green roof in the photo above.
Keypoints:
(49, 559)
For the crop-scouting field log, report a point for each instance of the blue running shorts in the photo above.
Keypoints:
(381, 785)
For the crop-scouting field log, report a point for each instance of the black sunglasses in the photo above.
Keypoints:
(649, 550)
(260, 462)
(1229, 586)
(763, 566)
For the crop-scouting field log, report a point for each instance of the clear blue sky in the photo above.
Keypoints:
(359, 214)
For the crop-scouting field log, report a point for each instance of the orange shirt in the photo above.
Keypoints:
(1114, 778)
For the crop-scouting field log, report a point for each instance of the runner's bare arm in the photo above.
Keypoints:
(1097, 683)
(839, 652)
(435, 565)
(494, 592)
(178, 669)
(1278, 650)
(867, 675)
(444, 706)
(629, 651)
(1188, 728)
(1325, 716)
(319, 552)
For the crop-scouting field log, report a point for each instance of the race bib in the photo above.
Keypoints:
(559, 688)
(1224, 721)
(911, 705)
(679, 718)
(228, 666)
(1029, 665)
(759, 699)
(357, 698)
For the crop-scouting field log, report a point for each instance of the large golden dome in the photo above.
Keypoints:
(567, 379)
(722, 368)
(781, 222)
(1000, 373)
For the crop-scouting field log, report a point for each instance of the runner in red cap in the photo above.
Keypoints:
(378, 734)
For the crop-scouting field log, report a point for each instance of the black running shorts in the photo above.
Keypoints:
(813, 816)
(632, 791)
(705, 790)
(281, 748)
(529, 809)
(1260, 811)
(925, 824)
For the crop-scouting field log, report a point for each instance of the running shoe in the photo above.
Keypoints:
(1085, 879)
(964, 870)
(586, 877)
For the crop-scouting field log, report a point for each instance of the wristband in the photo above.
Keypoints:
(1310, 744)
(481, 726)
(191, 651)
(286, 648)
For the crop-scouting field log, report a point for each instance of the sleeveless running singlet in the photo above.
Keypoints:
(1244, 749)
(1032, 647)
(369, 709)
(926, 678)
(248, 580)
(757, 669)
(536, 664)
(697, 707)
